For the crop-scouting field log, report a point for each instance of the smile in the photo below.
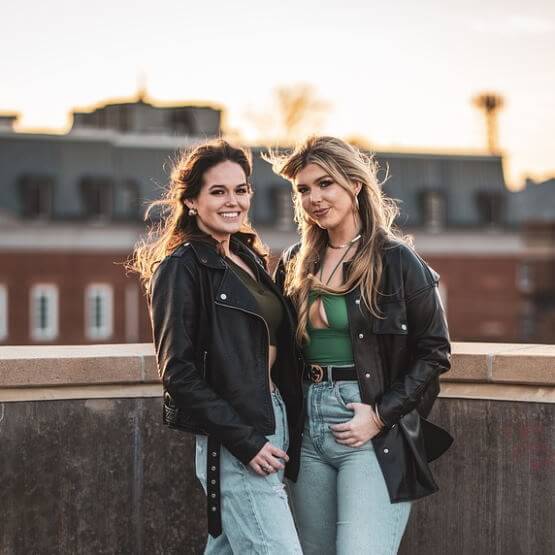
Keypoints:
(320, 213)
(229, 215)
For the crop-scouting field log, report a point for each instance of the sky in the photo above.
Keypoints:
(400, 74)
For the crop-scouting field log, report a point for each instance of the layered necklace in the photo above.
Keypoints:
(348, 245)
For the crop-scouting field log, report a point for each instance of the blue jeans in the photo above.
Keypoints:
(255, 512)
(340, 500)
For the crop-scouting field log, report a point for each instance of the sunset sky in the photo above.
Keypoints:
(400, 74)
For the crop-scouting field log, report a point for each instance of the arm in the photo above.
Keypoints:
(429, 343)
(174, 314)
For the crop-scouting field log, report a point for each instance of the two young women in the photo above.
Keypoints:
(325, 376)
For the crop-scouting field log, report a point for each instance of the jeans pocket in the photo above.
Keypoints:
(347, 392)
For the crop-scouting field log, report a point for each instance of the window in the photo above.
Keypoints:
(3, 312)
(99, 311)
(35, 193)
(525, 277)
(433, 210)
(96, 196)
(283, 207)
(44, 312)
(130, 199)
(490, 207)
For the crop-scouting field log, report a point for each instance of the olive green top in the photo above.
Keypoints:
(269, 305)
(331, 345)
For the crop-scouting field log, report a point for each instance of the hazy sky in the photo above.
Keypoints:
(400, 74)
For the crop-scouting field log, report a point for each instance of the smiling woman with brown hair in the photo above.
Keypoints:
(374, 339)
(224, 339)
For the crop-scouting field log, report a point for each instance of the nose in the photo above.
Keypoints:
(231, 199)
(315, 196)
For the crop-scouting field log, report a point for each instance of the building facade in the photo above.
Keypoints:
(71, 209)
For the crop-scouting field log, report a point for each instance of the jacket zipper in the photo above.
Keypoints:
(267, 353)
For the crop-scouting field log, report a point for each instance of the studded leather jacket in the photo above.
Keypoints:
(398, 360)
(212, 349)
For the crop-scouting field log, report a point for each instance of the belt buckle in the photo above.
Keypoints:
(316, 373)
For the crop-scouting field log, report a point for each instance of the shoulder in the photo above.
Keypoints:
(290, 252)
(403, 261)
(181, 259)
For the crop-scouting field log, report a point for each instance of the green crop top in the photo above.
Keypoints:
(332, 345)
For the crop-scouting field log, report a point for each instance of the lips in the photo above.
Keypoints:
(320, 213)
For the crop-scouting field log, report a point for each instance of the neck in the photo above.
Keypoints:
(223, 238)
(344, 232)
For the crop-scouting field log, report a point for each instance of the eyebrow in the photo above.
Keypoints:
(317, 180)
(245, 184)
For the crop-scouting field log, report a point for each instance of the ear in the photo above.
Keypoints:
(358, 188)
(189, 203)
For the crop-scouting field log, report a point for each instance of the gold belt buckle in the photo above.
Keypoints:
(316, 373)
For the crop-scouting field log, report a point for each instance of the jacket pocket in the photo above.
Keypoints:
(394, 319)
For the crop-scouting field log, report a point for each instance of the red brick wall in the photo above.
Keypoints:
(72, 272)
(483, 301)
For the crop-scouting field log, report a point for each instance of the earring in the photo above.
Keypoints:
(357, 204)
(192, 212)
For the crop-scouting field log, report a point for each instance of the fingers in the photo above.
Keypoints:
(278, 453)
(345, 426)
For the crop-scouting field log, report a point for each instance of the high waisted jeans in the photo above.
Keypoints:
(255, 513)
(340, 500)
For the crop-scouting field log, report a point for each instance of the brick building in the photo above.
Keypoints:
(71, 205)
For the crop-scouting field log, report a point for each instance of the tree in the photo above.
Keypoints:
(296, 112)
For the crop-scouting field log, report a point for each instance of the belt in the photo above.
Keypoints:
(213, 507)
(315, 373)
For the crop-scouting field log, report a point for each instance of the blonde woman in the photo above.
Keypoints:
(224, 339)
(374, 339)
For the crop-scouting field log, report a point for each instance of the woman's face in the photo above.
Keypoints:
(224, 200)
(323, 200)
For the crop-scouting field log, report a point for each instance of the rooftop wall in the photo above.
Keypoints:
(87, 467)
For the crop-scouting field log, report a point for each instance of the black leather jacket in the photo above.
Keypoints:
(398, 360)
(212, 349)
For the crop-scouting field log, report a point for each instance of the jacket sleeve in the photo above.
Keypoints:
(174, 314)
(428, 341)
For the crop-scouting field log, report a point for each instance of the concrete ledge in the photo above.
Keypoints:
(56, 366)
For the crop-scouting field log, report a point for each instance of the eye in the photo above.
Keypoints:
(302, 190)
(217, 192)
(242, 190)
(326, 183)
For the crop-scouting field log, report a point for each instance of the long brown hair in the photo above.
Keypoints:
(176, 226)
(347, 166)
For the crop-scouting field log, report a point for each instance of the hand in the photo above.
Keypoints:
(362, 427)
(268, 460)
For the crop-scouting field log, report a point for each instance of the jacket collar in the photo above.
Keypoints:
(207, 254)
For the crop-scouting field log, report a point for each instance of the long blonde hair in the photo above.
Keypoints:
(176, 226)
(347, 166)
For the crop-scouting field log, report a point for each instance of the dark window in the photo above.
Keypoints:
(181, 121)
(130, 201)
(490, 207)
(432, 207)
(282, 205)
(96, 196)
(36, 196)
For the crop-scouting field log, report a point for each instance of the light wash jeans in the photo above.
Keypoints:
(340, 499)
(255, 512)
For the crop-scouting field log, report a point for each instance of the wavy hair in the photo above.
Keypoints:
(347, 166)
(175, 225)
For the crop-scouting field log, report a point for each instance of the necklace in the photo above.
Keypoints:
(347, 244)
(350, 244)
